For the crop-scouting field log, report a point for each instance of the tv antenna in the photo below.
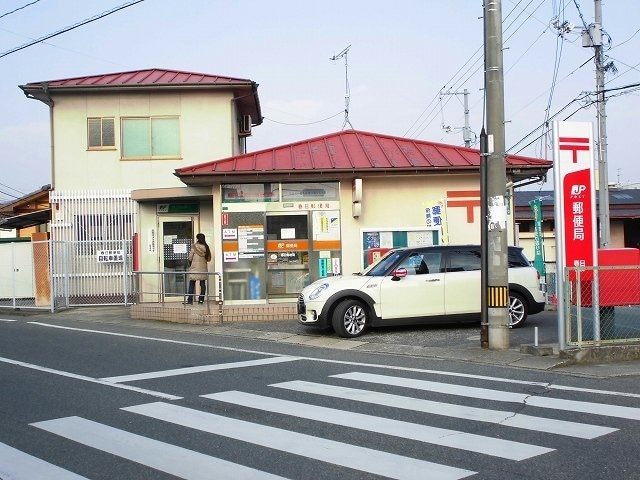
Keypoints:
(347, 93)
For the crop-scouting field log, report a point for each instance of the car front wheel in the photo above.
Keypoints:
(518, 310)
(349, 318)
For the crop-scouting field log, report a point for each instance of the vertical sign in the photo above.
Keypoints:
(575, 193)
(435, 215)
(538, 260)
(575, 205)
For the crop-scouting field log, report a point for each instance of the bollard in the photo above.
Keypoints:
(535, 336)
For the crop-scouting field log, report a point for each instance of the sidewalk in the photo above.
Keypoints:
(457, 342)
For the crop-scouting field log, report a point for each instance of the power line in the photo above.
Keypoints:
(19, 8)
(302, 124)
(72, 27)
(11, 188)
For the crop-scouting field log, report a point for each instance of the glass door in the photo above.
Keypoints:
(287, 254)
(176, 238)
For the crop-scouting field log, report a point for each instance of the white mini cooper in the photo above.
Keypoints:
(438, 284)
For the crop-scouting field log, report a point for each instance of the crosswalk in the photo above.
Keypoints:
(316, 421)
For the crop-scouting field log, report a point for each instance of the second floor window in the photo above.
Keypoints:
(100, 133)
(150, 137)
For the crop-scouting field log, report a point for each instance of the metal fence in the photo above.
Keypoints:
(602, 305)
(171, 288)
(52, 275)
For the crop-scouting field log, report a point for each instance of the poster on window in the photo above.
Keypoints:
(326, 225)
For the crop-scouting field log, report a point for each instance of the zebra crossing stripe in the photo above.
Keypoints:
(505, 418)
(165, 457)
(198, 369)
(17, 465)
(337, 453)
(617, 411)
(438, 436)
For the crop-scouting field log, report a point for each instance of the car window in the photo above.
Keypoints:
(414, 264)
(422, 263)
(433, 261)
(463, 260)
(381, 266)
(517, 258)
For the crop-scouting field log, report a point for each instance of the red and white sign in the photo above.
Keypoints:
(574, 176)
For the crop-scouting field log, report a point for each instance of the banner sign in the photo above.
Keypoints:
(435, 216)
(573, 167)
(538, 260)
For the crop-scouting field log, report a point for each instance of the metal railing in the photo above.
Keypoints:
(170, 288)
(602, 305)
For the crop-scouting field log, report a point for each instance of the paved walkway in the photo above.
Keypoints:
(458, 342)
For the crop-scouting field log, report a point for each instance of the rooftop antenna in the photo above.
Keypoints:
(344, 54)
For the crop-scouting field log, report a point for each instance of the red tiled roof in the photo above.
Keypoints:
(355, 151)
(245, 91)
(148, 77)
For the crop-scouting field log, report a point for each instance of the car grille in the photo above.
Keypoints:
(301, 307)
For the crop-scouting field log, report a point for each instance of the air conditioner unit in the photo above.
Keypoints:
(244, 129)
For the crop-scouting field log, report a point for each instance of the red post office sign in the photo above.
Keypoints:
(573, 165)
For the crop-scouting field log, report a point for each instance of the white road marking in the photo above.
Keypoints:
(593, 408)
(7, 320)
(337, 453)
(165, 457)
(17, 465)
(437, 436)
(505, 418)
(198, 369)
(84, 378)
(355, 364)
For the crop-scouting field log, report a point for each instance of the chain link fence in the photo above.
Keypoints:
(602, 304)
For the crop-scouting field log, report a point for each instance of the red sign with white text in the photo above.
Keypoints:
(575, 195)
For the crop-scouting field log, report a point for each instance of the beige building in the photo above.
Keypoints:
(286, 216)
(134, 173)
(117, 132)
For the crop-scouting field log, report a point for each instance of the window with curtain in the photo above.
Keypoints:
(150, 137)
(100, 133)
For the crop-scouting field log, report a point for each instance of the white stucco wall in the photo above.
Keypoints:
(399, 203)
(207, 132)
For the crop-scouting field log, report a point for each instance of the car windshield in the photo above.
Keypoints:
(379, 268)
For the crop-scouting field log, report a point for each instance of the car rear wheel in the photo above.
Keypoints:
(518, 310)
(349, 318)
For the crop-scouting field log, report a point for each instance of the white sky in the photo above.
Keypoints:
(402, 55)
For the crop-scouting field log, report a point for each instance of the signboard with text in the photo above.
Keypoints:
(573, 167)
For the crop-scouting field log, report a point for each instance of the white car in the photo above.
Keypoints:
(423, 285)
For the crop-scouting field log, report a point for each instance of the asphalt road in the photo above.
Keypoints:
(105, 401)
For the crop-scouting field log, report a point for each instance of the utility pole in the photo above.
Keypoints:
(466, 130)
(497, 291)
(466, 133)
(603, 175)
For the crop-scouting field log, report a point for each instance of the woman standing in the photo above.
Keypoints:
(199, 255)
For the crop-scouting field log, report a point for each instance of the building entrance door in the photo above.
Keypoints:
(287, 254)
(176, 238)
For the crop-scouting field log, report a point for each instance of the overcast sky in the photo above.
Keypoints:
(403, 55)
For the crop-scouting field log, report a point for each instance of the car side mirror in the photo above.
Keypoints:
(399, 273)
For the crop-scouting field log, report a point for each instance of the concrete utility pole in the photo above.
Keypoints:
(466, 133)
(497, 291)
(466, 130)
(595, 36)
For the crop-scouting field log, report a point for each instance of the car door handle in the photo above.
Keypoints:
(433, 280)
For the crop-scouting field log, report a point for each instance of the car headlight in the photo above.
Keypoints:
(316, 292)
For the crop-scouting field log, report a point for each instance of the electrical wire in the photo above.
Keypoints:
(19, 8)
(72, 27)
(467, 71)
(302, 124)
